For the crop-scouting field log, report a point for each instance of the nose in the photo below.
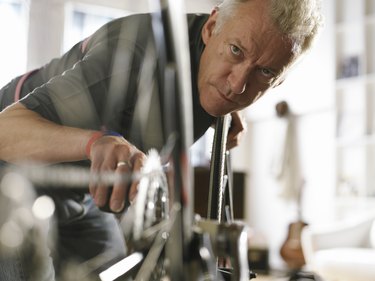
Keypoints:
(237, 80)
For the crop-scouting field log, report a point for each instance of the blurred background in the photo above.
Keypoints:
(316, 163)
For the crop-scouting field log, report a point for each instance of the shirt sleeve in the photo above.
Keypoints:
(79, 96)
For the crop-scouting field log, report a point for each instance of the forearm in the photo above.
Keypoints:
(26, 136)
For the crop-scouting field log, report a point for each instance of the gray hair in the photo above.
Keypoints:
(299, 20)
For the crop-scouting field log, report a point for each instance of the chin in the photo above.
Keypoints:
(214, 110)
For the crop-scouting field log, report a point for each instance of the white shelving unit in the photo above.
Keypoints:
(355, 98)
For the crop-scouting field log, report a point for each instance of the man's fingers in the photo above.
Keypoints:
(113, 156)
(120, 187)
(138, 164)
(237, 130)
(101, 195)
(93, 184)
(232, 144)
(133, 192)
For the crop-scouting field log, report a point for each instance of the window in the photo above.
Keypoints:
(13, 31)
(82, 20)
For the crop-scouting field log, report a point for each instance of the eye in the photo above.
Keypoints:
(235, 50)
(267, 73)
(266, 76)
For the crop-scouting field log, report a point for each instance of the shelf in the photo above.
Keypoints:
(360, 202)
(355, 100)
(347, 26)
(349, 206)
(360, 79)
(349, 11)
(345, 142)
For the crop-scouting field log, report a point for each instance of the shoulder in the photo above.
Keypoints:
(126, 23)
(122, 28)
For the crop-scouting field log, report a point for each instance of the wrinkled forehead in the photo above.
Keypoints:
(259, 36)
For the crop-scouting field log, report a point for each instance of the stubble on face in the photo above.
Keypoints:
(261, 44)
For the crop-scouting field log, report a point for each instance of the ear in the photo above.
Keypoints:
(209, 25)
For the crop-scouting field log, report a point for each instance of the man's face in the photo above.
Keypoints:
(242, 60)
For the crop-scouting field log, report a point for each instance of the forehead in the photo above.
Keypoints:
(251, 27)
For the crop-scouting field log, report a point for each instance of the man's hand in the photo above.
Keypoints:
(114, 154)
(236, 131)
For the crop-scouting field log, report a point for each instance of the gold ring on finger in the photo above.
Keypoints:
(123, 163)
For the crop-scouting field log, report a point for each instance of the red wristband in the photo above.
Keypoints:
(93, 138)
(97, 135)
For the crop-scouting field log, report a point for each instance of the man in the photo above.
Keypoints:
(238, 52)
